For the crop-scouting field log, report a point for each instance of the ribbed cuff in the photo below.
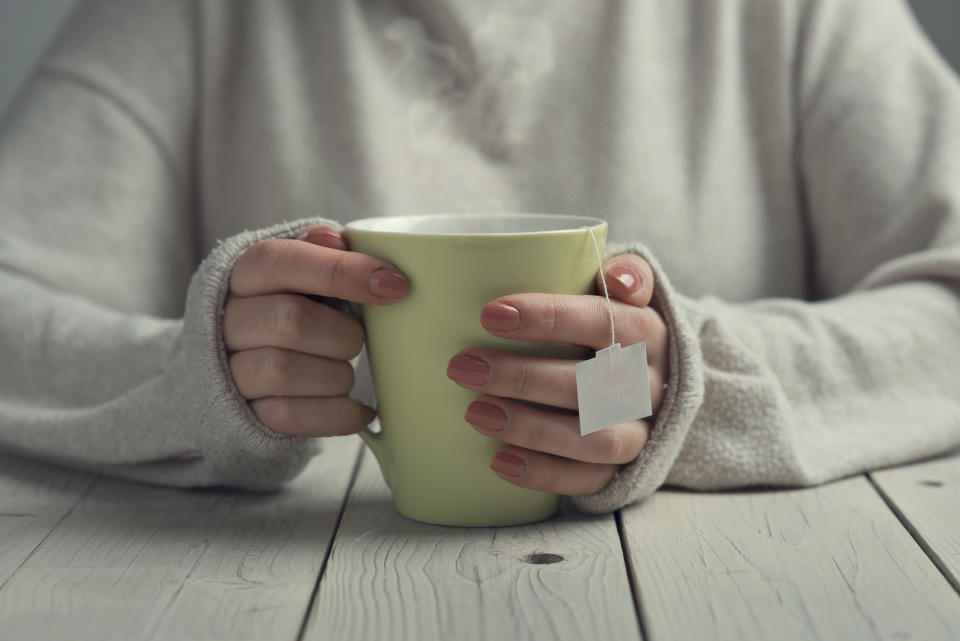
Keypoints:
(238, 450)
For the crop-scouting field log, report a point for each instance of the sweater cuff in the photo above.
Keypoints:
(683, 399)
(238, 450)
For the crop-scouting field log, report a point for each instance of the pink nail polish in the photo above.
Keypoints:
(325, 237)
(486, 416)
(388, 284)
(500, 317)
(626, 276)
(469, 370)
(508, 464)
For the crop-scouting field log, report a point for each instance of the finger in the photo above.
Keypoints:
(548, 473)
(581, 320)
(334, 416)
(292, 322)
(629, 279)
(657, 389)
(277, 266)
(550, 381)
(555, 433)
(271, 371)
(323, 236)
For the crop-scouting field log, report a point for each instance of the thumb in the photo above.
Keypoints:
(629, 280)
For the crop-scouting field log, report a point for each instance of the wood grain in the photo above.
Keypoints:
(34, 498)
(392, 578)
(926, 497)
(132, 562)
(257, 576)
(830, 562)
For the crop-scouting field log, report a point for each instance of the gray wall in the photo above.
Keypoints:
(27, 25)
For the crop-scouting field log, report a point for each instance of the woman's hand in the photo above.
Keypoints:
(289, 353)
(545, 450)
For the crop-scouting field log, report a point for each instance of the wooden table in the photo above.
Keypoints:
(88, 557)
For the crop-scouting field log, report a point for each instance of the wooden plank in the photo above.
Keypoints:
(34, 497)
(926, 497)
(121, 564)
(392, 578)
(256, 578)
(830, 562)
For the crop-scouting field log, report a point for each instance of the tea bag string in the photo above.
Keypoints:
(606, 294)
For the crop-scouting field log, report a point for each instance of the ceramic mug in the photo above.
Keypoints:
(435, 463)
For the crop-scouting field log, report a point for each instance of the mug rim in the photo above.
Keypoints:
(566, 223)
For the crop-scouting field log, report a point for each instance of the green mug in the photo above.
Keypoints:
(435, 463)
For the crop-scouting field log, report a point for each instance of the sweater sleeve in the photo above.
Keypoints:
(787, 392)
(111, 353)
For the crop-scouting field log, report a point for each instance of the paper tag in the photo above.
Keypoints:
(613, 387)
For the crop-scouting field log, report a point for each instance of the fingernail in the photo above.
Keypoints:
(486, 416)
(384, 282)
(320, 235)
(500, 317)
(368, 414)
(626, 276)
(508, 464)
(468, 369)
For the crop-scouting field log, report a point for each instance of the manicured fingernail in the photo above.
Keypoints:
(384, 282)
(321, 236)
(368, 414)
(486, 416)
(468, 369)
(500, 317)
(508, 464)
(627, 277)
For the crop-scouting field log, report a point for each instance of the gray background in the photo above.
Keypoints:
(26, 27)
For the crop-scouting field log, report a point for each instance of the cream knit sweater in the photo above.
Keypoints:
(791, 168)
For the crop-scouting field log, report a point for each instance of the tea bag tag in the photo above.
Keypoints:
(613, 387)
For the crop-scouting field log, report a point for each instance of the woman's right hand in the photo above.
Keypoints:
(288, 353)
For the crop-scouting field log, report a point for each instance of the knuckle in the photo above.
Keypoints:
(275, 413)
(350, 336)
(658, 328)
(554, 318)
(232, 319)
(642, 434)
(546, 476)
(548, 317)
(354, 345)
(348, 415)
(522, 379)
(336, 271)
(610, 445)
(340, 415)
(537, 432)
(344, 377)
(264, 254)
(638, 322)
(289, 318)
(240, 371)
(275, 369)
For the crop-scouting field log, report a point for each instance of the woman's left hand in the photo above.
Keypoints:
(545, 450)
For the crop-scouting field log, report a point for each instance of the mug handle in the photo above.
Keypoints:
(374, 441)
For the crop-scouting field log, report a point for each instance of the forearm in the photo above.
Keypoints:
(799, 393)
(788, 392)
(141, 397)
